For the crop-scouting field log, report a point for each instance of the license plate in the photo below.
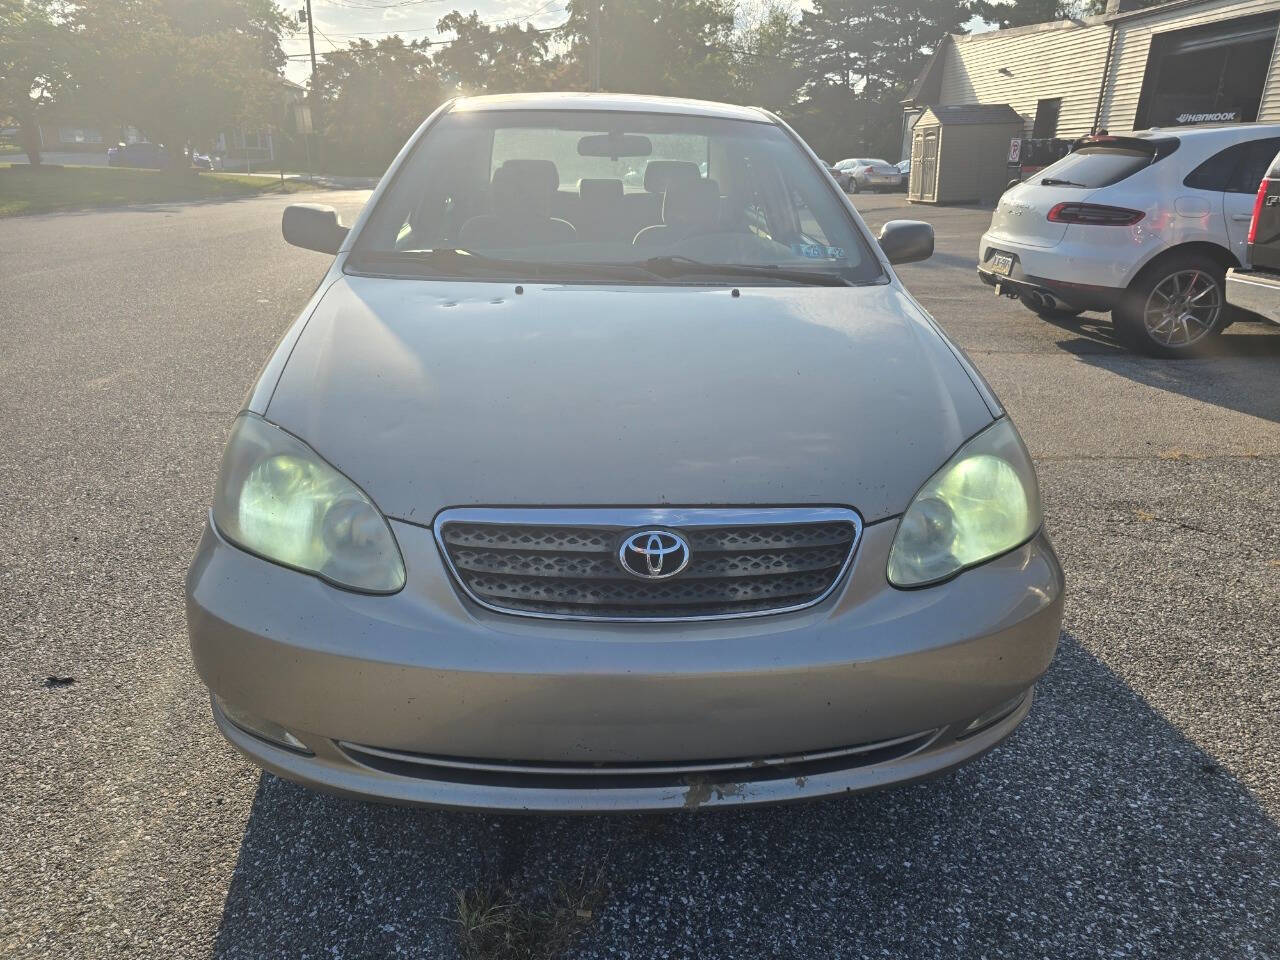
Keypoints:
(1001, 263)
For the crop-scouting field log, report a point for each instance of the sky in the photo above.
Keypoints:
(338, 22)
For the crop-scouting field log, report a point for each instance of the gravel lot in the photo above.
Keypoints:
(1134, 815)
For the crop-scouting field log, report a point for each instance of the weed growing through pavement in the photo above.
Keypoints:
(495, 923)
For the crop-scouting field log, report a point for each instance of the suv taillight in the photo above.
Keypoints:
(1258, 201)
(1095, 214)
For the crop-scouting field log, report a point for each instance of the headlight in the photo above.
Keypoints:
(277, 498)
(982, 503)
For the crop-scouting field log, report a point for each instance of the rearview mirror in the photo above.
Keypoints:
(313, 226)
(906, 241)
(615, 145)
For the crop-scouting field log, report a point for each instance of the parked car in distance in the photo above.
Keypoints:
(1256, 287)
(144, 154)
(505, 525)
(870, 174)
(904, 170)
(1144, 225)
(840, 176)
(201, 161)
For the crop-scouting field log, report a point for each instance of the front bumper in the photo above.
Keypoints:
(425, 698)
(1255, 291)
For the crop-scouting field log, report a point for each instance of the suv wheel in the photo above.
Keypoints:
(1173, 309)
(853, 185)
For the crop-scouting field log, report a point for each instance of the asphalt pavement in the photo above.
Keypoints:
(1135, 814)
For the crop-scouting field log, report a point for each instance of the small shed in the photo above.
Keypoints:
(959, 154)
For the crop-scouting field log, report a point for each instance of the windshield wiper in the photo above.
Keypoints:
(460, 260)
(677, 266)
(1055, 182)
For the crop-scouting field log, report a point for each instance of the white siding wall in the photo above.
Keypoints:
(1065, 60)
(1133, 43)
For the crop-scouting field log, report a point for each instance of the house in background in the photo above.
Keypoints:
(242, 147)
(57, 138)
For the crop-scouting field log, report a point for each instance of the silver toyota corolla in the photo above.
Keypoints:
(611, 467)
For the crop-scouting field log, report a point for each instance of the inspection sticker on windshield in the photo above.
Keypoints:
(818, 251)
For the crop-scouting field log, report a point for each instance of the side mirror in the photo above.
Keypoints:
(906, 241)
(1012, 183)
(313, 226)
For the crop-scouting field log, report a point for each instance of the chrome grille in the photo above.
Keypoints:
(563, 562)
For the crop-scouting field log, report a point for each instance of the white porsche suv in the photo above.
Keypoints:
(1144, 225)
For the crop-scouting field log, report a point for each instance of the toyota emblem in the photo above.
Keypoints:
(654, 554)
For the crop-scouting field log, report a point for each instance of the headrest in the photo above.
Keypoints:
(523, 188)
(536, 174)
(600, 191)
(658, 174)
(692, 203)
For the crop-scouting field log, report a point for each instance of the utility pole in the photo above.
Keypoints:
(311, 39)
(595, 44)
(312, 94)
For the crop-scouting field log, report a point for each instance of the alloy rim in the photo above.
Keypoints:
(1183, 308)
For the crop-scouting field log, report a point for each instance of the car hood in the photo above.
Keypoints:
(432, 394)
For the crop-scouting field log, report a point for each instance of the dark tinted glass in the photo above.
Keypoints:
(1237, 169)
(1251, 167)
(1097, 166)
(1214, 173)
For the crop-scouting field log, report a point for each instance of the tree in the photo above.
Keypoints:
(860, 58)
(1017, 13)
(766, 70)
(874, 46)
(484, 58)
(179, 70)
(374, 95)
(34, 53)
(669, 47)
(838, 125)
(837, 40)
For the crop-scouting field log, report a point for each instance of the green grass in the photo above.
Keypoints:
(23, 190)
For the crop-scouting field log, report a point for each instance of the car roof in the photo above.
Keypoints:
(624, 102)
(1208, 130)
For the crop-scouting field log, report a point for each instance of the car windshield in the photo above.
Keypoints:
(581, 195)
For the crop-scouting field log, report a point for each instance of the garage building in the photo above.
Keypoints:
(1183, 62)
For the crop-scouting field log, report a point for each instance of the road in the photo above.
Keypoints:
(1135, 814)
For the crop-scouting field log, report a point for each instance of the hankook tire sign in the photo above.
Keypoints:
(1218, 117)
